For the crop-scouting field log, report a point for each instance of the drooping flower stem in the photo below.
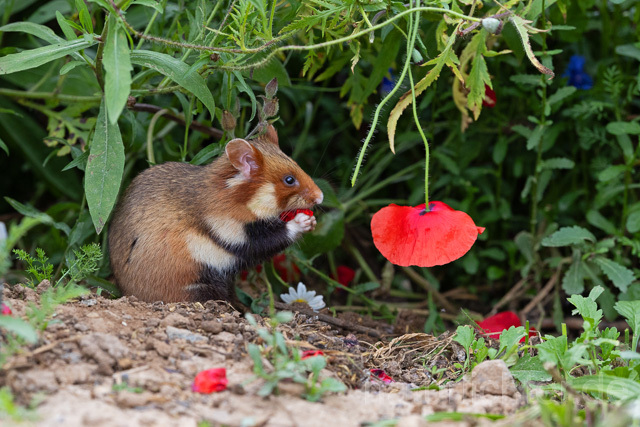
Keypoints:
(413, 32)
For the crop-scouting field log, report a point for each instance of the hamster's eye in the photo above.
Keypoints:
(289, 180)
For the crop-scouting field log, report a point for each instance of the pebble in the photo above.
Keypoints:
(177, 333)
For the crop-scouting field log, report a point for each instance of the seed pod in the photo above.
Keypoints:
(228, 121)
(270, 108)
(271, 88)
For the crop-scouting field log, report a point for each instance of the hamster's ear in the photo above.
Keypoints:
(271, 135)
(244, 157)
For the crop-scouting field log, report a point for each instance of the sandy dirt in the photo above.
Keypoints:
(122, 362)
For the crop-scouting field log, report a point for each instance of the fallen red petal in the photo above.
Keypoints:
(407, 235)
(311, 353)
(287, 216)
(6, 311)
(494, 325)
(489, 97)
(381, 375)
(211, 380)
(345, 275)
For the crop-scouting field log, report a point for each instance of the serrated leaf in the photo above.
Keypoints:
(478, 75)
(529, 368)
(611, 172)
(448, 57)
(573, 280)
(558, 163)
(627, 128)
(104, 169)
(117, 65)
(519, 23)
(31, 212)
(561, 94)
(567, 236)
(177, 71)
(535, 137)
(587, 307)
(630, 310)
(32, 58)
(620, 275)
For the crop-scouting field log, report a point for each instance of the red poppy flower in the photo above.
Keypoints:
(311, 353)
(289, 215)
(489, 97)
(407, 235)
(245, 273)
(287, 270)
(345, 275)
(6, 311)
(211, 380)
(381, 375)
(494, 325)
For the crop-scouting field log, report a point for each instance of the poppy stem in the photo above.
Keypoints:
(413, 31)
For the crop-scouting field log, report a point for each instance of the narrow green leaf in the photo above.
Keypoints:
(104, 169)
(117, 64)
(614, 387)
(630, 310)
(535, 137)
(150, 3)
(620, 275)
(4, 146)
(611, 172)
(561, 94)
(65, 26)
(573, 280)
(558, 163)
(177, 71)
(520, 25)
(32, 212)
(244, 87)
(633, 221)
(20, 328)
(40, 31)
(568, 236)
(596, 219)
(630, 50)
(35, 57)
(84, 16)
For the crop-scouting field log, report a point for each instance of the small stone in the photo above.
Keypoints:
(89, 302)
(177, 333)
(174, 319)
(212, 326)
(493, 377)
(162, 348)
(152, 323)
(128, 399)
(79, 326)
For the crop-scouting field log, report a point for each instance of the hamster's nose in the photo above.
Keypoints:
(319, 199)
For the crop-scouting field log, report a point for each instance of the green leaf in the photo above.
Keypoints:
(573, 280)
(35, 57)
(40, 31)
(4, 147)
(42, 217)
(535, 137)
(520, 25)
(567, 236)
(334, 385)
(327, 236)
(104, 169)
(117, 64)
(20, 328)
(628, 128)
(587, 307)
(150, 3)
(561, 94)
(558, 163)
(70, 66)
(511, 337)
(528, 369)
(630, 50)
(464, 336)
(611, 172)
(84, 16)
(244, 87)
(479, 74)
(630, 310)
(613, 386)
(596, 219)
(65, 26)
(620, 275)
(177, 71)
(633, 220)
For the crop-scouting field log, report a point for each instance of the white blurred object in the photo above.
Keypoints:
(3, 233)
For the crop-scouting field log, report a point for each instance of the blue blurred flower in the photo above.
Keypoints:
(388, 82)
(578, 77)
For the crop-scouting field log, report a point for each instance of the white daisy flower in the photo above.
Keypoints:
(303, 295)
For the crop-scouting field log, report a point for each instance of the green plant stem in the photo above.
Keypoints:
(150, 157)
(98, 69)
(536, 175)
(151, 21)
(273, 11)
(49, 95)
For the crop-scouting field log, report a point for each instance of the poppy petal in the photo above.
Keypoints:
(407, 235)
(211, 380)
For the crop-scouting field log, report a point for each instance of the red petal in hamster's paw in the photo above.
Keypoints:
(289, 215)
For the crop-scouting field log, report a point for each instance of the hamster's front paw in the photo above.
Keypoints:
(302, 223)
